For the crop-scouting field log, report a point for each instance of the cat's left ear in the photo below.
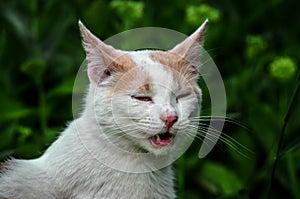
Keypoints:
(103, 60)
(190, 49)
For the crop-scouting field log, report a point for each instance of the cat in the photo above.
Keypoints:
(139, 109)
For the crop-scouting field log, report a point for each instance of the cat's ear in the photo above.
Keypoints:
(190, 49)
(103, 59)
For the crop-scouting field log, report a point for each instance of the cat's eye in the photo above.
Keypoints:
(182, 96)
(142, 98)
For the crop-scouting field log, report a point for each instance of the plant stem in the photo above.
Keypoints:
(42, 106)
(282, 134)
(292, 176)
(43, 112)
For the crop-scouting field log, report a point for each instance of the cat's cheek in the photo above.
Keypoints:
(188, 108)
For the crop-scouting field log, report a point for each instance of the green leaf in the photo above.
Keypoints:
(34, 68)
(220, 180)
(51, 134)
(7, 136)
(196, 14)
(12, 109)
(128, 10)
(255, 45)
(17, 21)
(3, 38)
(65, 88)
(294, 145)
(24, 132)
(29, 150)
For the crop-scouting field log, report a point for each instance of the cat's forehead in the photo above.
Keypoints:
(166, 60)
(152, 72)
(159, 74)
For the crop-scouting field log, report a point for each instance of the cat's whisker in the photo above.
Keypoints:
(218, 133)
(201, 138)
(213, 134)
(194, 135)
(219, 118)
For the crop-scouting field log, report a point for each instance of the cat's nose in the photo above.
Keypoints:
(169, 120)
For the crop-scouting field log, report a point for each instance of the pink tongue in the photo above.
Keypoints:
(160, 142)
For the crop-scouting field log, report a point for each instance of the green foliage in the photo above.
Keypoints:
(283, 68)
(254, 44)
(220, 180)
(128, 11)
(195, 14)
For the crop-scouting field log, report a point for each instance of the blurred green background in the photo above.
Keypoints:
(254, 43)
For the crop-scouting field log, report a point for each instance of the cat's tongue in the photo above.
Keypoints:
(160, 140)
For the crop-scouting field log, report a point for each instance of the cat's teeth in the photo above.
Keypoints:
(157, 138)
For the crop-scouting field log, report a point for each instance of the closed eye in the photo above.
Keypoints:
(142, 98)
(182, 96)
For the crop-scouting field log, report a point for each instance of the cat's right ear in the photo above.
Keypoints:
(190, 50)
(102, 58)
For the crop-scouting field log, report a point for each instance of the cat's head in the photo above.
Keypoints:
(145, 100)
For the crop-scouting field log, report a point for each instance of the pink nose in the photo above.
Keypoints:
(170, 120)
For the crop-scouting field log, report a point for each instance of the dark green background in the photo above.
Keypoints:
(254, 43)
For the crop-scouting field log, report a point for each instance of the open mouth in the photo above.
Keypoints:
(162, 139)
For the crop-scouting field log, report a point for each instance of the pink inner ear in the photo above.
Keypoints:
(190, 49)
(103, 59)
(93, 74)
(97, 76)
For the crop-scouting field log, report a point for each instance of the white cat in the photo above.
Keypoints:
(139, 110)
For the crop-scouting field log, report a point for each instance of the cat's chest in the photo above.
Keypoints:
(113, 184)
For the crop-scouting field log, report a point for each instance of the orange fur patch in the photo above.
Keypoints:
(122, 63)
(136, 79)
(172, 61)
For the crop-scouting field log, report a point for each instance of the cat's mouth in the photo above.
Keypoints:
(161, 139)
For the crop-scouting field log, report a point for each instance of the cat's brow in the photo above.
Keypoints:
(137, 80)
(164, 58)
(171, 61)
(123, 63)
(146, 88)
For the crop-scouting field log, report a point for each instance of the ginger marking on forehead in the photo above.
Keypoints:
(136, 79)
(165, 58)
(173, 62)
(123, 63)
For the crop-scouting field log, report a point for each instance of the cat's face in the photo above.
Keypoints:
(148, 98)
